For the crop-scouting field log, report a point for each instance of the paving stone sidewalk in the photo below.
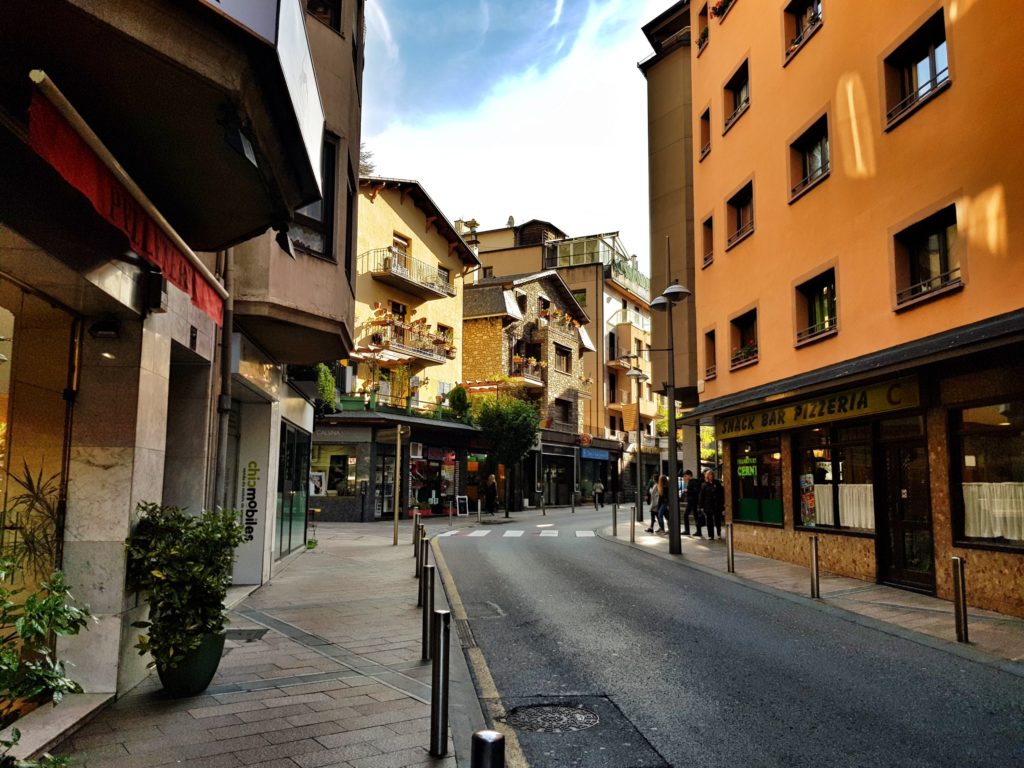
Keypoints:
(322, 668)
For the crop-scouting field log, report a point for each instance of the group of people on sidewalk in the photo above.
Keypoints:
(704, 501)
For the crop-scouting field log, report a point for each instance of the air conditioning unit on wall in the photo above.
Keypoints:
(415, 450)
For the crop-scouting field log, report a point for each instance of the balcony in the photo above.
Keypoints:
(743, 356)
(402, 271)
(630, 278)
(615, 434)
(556, 425)
(406, 339)
(237, 90)
(633, 318)
(604, 249)
(620, 398)
(532, 374)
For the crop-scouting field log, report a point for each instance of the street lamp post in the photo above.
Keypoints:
(640, 377)
(672, 294)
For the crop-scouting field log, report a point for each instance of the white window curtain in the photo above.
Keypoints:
(994, 510)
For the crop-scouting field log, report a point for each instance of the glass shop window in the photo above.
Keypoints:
(833, 480)
(757, 480)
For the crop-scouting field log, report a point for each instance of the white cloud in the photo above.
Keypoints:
(557, 16)
(378, 27)
(568, 146)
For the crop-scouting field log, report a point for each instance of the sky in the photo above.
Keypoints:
(533, 109)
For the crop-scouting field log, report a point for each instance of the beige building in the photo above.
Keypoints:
(407, 356)
(859, 319)
(142, 142)
(528, 333)
(606, 281)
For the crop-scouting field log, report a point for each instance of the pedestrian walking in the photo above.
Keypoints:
(691, 492)
(598, 495)
(659, 504)
(491, 495)
(711, 503)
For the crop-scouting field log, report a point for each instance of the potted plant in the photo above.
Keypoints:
(183, 563)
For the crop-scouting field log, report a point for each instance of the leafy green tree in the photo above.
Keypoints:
(458, 402)
(509, 425)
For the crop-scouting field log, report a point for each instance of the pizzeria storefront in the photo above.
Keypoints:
(894, 476)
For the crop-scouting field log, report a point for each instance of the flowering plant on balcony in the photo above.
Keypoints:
(702, 38)
(720, 8)
(517, 359)
(542, 364)
(531, 360)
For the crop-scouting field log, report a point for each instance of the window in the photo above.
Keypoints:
(702, 28)
(613, 389)
(443, 388)
(833, 479)
(399, 310)
(522, 301)
(327, 11)
(809, 158)
(737, 96)
(917, 70)
(744, 339)
(989, 453)
(488, 272)
(350, 224)
(757, 480)
(710, 368)
(639, 347)
(816, 307)
(740, 211)
(708, 240)
(803, 19)
(313, 229)
(581, 297)
(928, 257)
(446, 333)
(563, 359)
(705, 133)
(401, 243)
(563, 411)
(444, 276)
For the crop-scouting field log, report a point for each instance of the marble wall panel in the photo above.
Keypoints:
(98, 501)
(92, 653)
(95, 571)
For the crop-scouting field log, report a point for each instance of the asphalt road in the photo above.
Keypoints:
(685, 668)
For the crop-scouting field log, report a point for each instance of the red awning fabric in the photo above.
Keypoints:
(57, 142)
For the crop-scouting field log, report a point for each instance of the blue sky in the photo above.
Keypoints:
(528, 108)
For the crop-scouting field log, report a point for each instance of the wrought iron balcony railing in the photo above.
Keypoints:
(402, 270)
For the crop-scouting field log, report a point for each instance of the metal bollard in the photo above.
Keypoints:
(488, 750)
(815, 585)
(420, 533)
(478, 511)
(730, 552)
(440, 633)
(428, 608)
(960, 599)
(615, 519)
(415, 532)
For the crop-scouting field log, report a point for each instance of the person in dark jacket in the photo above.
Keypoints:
(711, 503)
(691, 492)
(491, 495)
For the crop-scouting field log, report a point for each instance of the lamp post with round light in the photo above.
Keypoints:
(673, 294)
(640, 377)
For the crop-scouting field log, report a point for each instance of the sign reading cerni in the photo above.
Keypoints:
(848, 404)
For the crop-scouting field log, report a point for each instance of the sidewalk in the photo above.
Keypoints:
(892, 610)
(322, 668)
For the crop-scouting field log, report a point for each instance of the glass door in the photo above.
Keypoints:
(292, 488)
(906, 549)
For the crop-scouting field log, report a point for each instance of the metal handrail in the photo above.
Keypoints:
(812, 177)
(944, 280)
(743, 356)
(527, 370)
(709, 256)
(705, 149)
(746, 229)
(740, 109)
(398, 262)
(817, 329)
(710, 372)
(409, 340)
(923, 91)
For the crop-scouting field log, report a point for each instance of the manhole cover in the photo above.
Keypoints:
(552, 718)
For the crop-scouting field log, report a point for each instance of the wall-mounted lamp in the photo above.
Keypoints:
(105, 329)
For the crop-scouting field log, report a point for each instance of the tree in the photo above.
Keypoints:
(366, 165)
(509, 425)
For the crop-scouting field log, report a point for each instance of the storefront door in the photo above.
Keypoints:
(293, 488)
(906, 551)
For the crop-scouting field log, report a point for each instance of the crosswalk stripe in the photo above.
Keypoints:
(446, 533)
(584, 534)
(512, 534)
(549, 533)
(479, 533)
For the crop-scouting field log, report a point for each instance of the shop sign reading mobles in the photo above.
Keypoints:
(847, 404)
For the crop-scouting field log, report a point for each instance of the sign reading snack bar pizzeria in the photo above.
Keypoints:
(846, 404)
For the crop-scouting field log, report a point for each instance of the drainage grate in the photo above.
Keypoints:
(552, 718)
(245, 635)
(465, 634)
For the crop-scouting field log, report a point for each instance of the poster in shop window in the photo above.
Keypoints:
(808, 514)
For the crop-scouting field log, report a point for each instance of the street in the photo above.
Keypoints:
(685, 668)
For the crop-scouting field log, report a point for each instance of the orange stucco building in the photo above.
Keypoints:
(859, 321)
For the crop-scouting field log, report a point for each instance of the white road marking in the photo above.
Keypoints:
(479, 533)
(513, 534)
(584, 534)
(549, 533)
(445, 533)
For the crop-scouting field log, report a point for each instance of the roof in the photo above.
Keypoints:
(426, 204)
(489, 303)
(666, 32)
